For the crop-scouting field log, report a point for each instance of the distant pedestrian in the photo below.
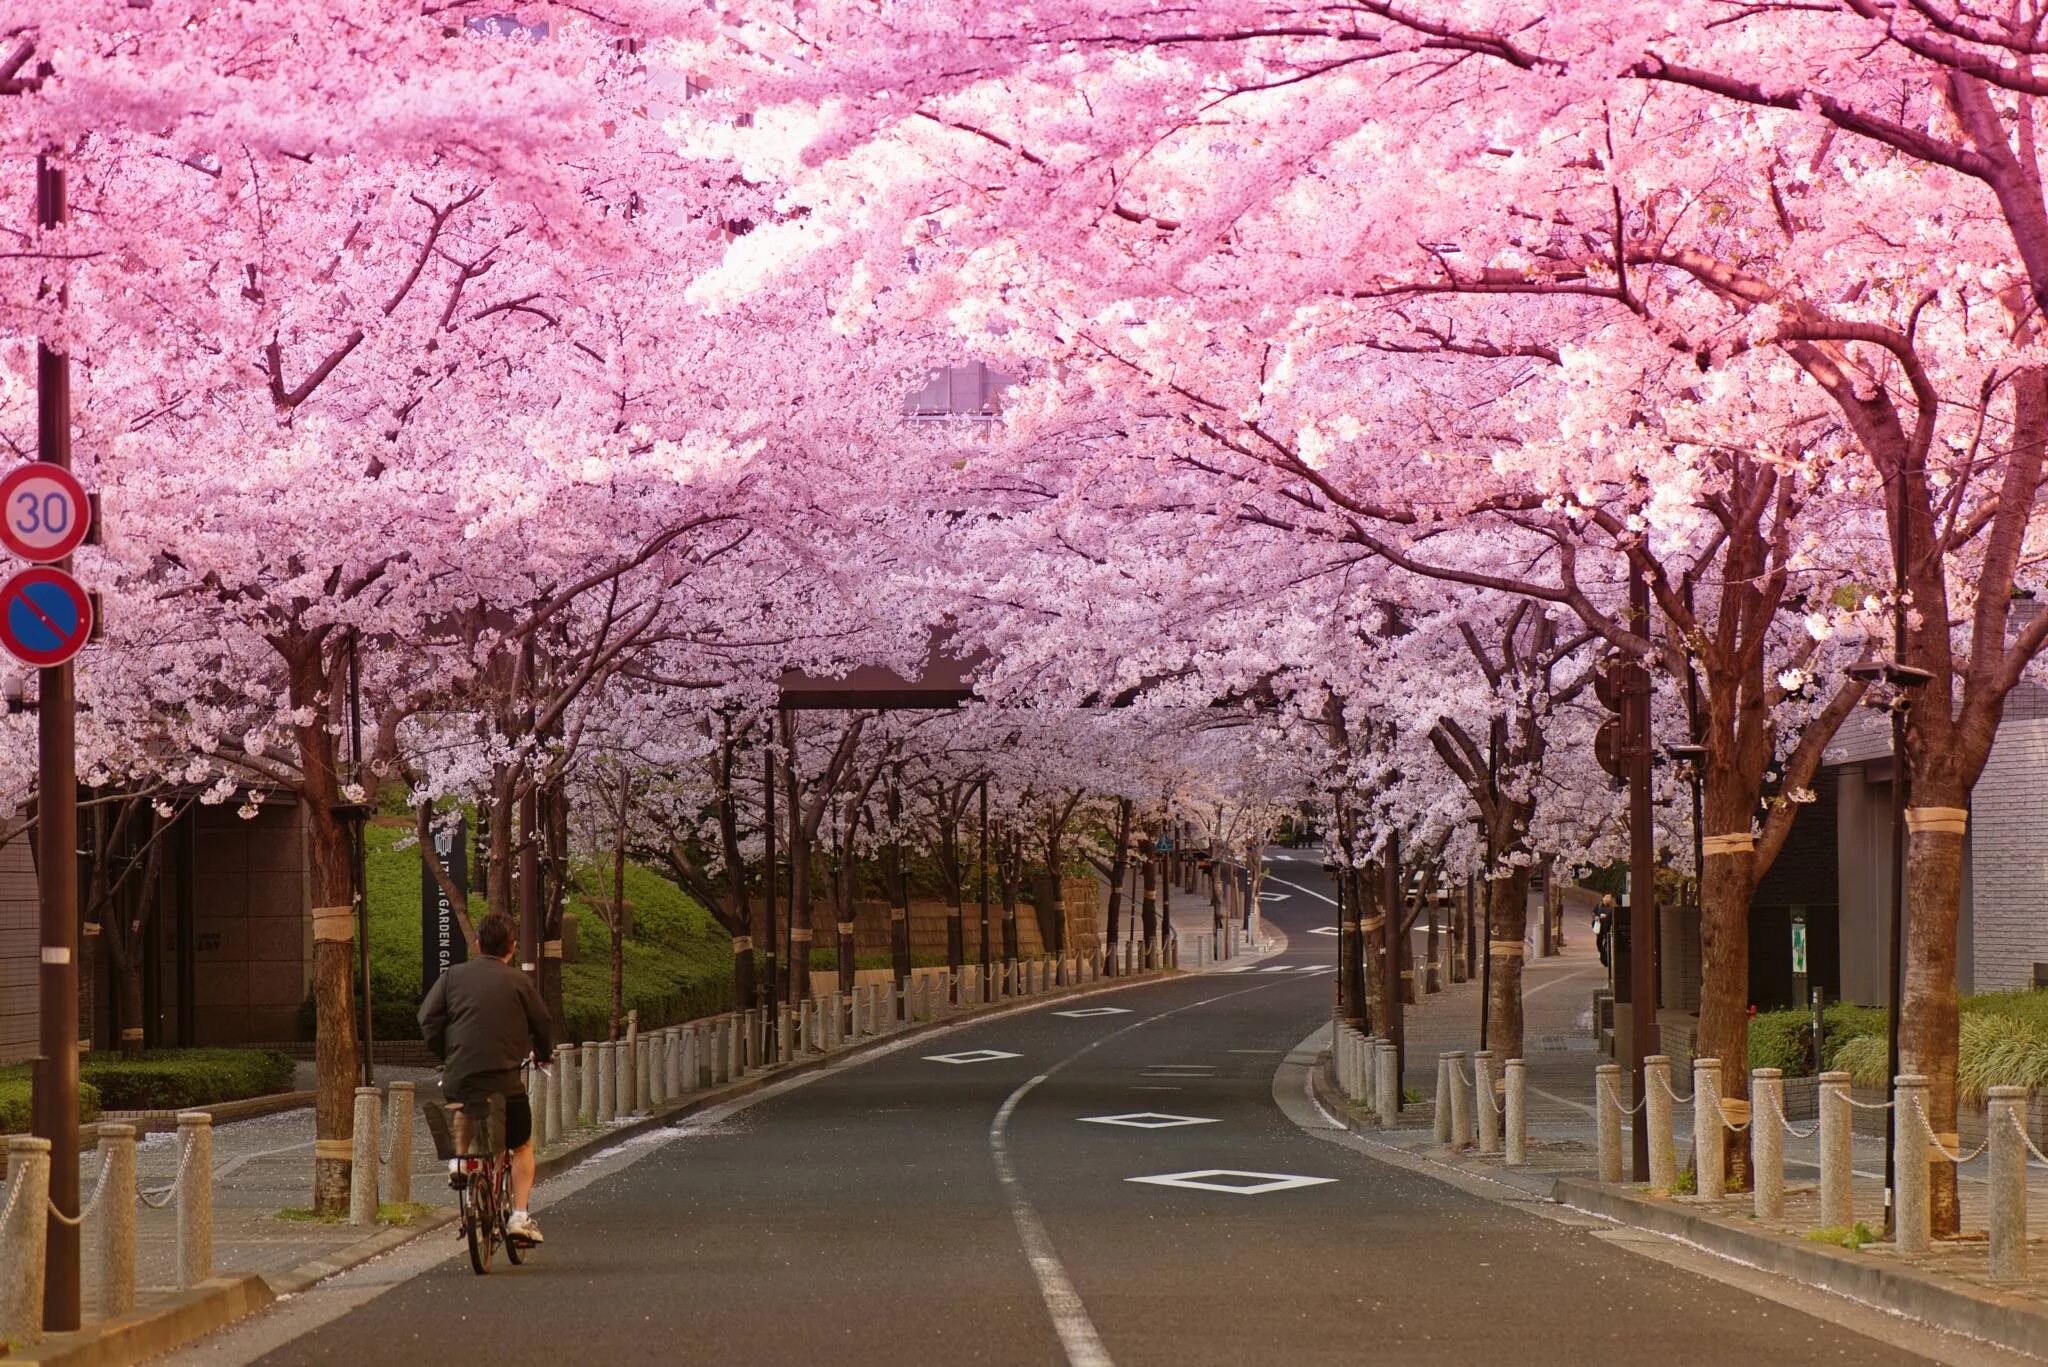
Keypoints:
(1603, 930)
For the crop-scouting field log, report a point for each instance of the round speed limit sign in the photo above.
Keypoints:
(44, 515)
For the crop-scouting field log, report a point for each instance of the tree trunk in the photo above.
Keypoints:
(1148, 873)
(1507, 919)
(1929, 1024)
(331, 889)
(1725, 892)
(618, 927)
(949, 865)
(1119, 868)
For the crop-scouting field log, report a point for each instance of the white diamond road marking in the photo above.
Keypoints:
(1218, 1179)
(1324, 930)
(1277, 968)
(1149, 1120)
(970, 1056)
(1086, 1012)
(1318, 968)
(1274, 896)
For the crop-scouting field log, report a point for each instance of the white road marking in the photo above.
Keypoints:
(1324, 930)
(1149, 1120)
(1088, 1011)
(1069, 1316)
(971, 1056)
(1299, 888)
(1213, 1179)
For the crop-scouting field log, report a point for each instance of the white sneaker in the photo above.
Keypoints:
(522, 1228)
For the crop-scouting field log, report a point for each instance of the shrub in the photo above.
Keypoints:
(1863, 1058)
(170, 1079)
(15, 1098)
(1781, 1040)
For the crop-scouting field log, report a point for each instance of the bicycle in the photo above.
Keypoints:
(482, 1181)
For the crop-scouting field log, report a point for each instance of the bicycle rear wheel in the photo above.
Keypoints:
(514, 1250)
(480, 1221)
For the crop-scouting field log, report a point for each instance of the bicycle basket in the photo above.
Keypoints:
(487, 1127)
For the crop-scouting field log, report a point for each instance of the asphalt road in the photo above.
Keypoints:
(908, 1211)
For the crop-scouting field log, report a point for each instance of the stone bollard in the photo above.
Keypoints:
(718, 1042)
(657, 1068)
(116, 1220)
(1607, 1119)
(1657, 1117)
(735, 1047)
(195, 1198)
(607, 1083)
(563, 1096)
(1386, 1087)
(1485, 1102)
(622, 1060)
(643, 1075)
(1461, 1102)
(2005, 1116)
(785, 1041)
(590, 1064)
(1517, 1108)
(1444, 1088)
(1709, 1139)
(1911, 1213)
(23, 1238)
(1767, 1141)
(400, 1103)
(857, 1015)
(363, 1162)
(693, 1057)
(1836, 1209)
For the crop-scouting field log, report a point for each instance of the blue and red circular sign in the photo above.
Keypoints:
(44, 513)
(45, 617)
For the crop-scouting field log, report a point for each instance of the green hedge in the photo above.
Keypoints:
(171, 1079)
(14, 1101)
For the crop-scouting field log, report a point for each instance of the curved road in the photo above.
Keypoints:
(909, 1211)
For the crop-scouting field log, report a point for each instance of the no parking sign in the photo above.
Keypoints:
(45, 617)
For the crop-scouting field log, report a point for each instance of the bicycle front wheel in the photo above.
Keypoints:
(513, 1248)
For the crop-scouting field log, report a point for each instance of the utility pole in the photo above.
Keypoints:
(54, 1107)
(1642, 861)
(983, 861)
(1396, 936)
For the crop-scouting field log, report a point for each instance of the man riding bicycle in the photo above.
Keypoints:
(481, 1020)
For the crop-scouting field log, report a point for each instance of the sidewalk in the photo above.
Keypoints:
(1949, 1285)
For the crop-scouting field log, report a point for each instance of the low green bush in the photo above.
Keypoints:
(170, 1079)
(15, 1097)
(1781, 1040)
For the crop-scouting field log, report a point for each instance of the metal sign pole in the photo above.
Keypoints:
(55, 1102)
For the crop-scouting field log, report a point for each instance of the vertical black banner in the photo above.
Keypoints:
(441, 941)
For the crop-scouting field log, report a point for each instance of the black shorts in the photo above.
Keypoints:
(518, 1121)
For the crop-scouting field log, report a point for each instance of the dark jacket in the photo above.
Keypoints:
(481, 1019)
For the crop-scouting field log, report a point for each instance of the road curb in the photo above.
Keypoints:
(160, 1329)
(1946, 1302)
(362, 1251)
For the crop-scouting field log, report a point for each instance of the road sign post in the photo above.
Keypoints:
(54, 1104)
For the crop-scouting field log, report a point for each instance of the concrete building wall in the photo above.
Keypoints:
(2008, 848)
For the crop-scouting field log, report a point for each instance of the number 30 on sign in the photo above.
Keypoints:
(44, 515)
